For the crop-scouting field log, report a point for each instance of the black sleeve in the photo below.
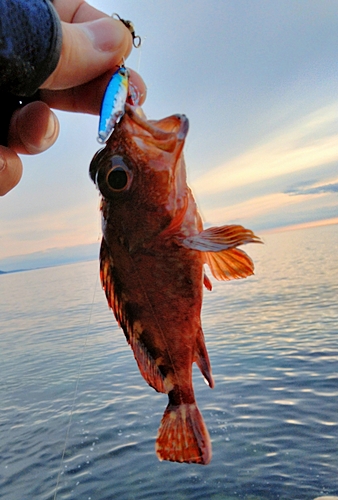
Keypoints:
(30, 47)
(30, 44)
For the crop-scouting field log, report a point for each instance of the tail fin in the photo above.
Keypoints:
(183, 436)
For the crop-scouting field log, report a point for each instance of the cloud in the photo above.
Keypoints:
(70, 226)
(320, 189)
(254, 188)
(275, 210)
(251, 209)
(305, 225)
(308, 143)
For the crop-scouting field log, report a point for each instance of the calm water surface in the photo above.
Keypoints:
(68, 381)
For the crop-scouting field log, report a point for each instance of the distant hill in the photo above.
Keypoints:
(49, 258)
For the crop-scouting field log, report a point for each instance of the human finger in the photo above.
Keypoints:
(87, 98)
(89, 50)
(33, 128)
(77, 11)
(10, 170)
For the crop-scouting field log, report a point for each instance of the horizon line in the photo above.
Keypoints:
(290, 227)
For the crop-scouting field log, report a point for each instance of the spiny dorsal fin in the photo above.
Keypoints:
(131, 327)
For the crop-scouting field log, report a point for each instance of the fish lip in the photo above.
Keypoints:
(154, 130)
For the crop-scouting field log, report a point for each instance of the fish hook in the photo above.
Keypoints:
(130, 26)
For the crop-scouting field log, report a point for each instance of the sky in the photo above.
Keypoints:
(258, 81)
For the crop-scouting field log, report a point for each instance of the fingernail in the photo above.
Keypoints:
(48, 138)
(2, 163)
(106, 34)
(51, 127)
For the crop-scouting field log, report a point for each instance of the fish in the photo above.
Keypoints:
(152, 258)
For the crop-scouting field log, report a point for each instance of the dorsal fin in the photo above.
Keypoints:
(129, 323)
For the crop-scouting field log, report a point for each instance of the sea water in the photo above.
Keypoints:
(77, 421)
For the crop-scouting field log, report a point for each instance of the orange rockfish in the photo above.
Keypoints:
(151, 266)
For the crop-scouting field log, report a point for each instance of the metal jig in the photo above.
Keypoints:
(128, 24)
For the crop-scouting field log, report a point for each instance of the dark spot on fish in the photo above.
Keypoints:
(147, 338)
(133, 311)
(164, 369)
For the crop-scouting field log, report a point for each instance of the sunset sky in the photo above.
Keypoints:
(259, 84)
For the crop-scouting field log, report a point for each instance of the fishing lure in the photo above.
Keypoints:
(114, 100)
(118, 92)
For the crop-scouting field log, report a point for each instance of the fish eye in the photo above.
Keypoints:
(117, 179)
(119, 176)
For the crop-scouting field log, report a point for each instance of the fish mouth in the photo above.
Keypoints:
(165, 134)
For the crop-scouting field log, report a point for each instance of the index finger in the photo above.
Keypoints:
(87, 98)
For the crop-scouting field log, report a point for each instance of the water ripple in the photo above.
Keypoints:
(272, 416)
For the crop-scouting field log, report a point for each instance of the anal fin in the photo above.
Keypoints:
(207, 283)
(202, 360)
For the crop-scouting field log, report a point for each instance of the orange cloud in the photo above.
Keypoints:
(304, 225)
(310, 142)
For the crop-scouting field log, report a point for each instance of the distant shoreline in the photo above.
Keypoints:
(20, 270)
(56, 257)
(52, 257)
(12, 271)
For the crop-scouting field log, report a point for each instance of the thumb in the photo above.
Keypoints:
(89, 50)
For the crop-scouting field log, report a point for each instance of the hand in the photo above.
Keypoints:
(93, 45)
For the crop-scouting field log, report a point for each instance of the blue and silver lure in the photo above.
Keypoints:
(117, 93)
(113, 103)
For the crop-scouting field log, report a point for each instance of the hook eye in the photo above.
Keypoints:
(130, 26)
(136, 41)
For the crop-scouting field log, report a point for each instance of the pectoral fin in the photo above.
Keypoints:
(229, 264)
(219, 244)
(215, 239)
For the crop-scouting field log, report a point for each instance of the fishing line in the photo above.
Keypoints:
(140, 54)
(76, 389)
